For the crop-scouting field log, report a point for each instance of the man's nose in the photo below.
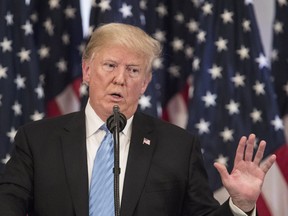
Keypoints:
(119, 76)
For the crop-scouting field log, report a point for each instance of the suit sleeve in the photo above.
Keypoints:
(17, 180)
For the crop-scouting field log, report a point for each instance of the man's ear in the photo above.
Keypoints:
(85, 72)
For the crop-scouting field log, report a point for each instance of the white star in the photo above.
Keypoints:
(161, 10)
(282, 2)
(81, 48)
(192, 26)
(232, 107)
(203, 126)
(247, 2)
(17, 108)
(39, 91)
(201, 36)
(222, 160)
(179, 17)
(53, 4)
(20, 82)
(104, 5)
(160, 35)
(174, 70)
(144, 102)
(196, 64)
(189, 51)
(65, 38)
(262, 61)
(227, 16)
(44, 52)
(49, 27)
(221, 44)
(11, 134)
(143, 4)
(207, 8)
(6, 159)
(215, 72)
(28, 28)
(37, 116)
(9, 19)
(278, 27)
(158, 63)
(61, 65)
(6, 45)
(246, 25)
(24, 55)
(259, 88)
(83, 90)
(274, 55)
(238, 80)
(243, 52)
(227, 134)
(256, 115)
(209, 99)
(70, 12)
(277, 123)
(3, 72)
(285, 87)
(126, 10)
(177, 44)
(34, 17)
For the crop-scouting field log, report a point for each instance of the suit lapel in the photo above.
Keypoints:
(138, 164)
(75, 159)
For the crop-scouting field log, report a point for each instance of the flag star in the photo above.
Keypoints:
(54, 4)
(126, 10)
(24, 55)
(278, 27)
(39, 91)
(28, 28)
(203, 126)
(221, 44)
(227, 16)
(9, 18)
(192, 26)
(6, 159)
(83, 90)
(81, 48)
(49, 27)
(285, 87)
(277, 123)
(160, 35)
(179, 18)
(104, 5)
(44, 52)
(256, 115)
(201, 36)
(232, 107)
(161, 10)
(143, 4)
(70, 12)
(6, 45)
(3, 72)
(36, 116)
(189, 51)
(65, 38)
(158, 63)
(174, 70)
(238, 80)
(259, 88)
(227, 134)
(196, 3)
(222, 160)
(34, 17)
(209, 99)
(177, 44)
(282, 2)
(274, 55)
(144, 102)
(20, 82)
(246, 25)
(207, 8)
(247, 2)
(196, 64)
(11, 134)
(262, 61)
(61, 65)
(243, 52)
(17, 108)
(215, 72)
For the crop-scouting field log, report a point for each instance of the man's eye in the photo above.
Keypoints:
(133, 71)
(108, 67)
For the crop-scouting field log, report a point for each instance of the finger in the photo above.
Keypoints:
(249, 147)
(222, 171)
(260, 152)
(240, 150)
(265, 166)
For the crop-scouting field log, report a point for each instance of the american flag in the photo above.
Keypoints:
(209, 46)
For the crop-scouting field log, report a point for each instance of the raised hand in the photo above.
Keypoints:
(245, 182)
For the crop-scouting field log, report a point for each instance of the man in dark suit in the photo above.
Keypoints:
(162, 171)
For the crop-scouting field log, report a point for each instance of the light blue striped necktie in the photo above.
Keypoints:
(101, 198)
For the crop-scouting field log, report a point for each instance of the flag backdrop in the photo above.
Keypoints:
(213, 72)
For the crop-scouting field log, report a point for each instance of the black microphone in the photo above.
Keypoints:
(117, 119)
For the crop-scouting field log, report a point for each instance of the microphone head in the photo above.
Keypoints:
(116, 116)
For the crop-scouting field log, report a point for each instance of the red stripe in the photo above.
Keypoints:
(76, 86)
(282, 160)
(262, 208)
(53, 109)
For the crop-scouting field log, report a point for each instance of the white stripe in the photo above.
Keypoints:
(275, 192)
(221, 195)
(68, 101)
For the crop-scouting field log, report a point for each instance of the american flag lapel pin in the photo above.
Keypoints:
(146, 141)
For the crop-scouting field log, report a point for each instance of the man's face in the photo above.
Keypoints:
(116, 76)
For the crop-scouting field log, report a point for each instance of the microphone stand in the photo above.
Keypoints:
(116, 124)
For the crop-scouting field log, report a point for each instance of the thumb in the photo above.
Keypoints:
(222, 170)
